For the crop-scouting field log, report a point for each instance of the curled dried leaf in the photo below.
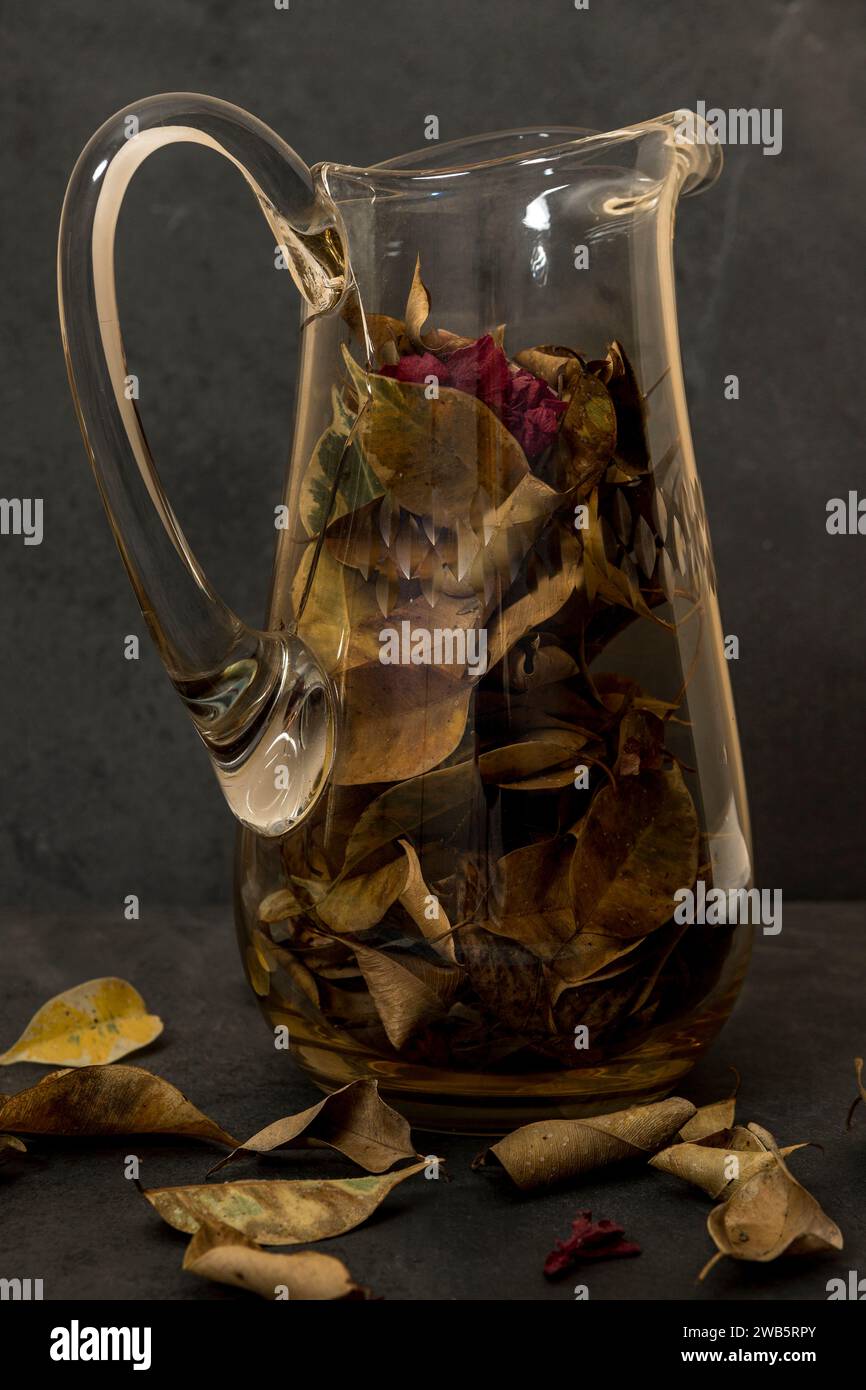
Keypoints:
(354, 1120)
(553, 1151)
(226, 1256)
(92, 1024)
(770, 1215)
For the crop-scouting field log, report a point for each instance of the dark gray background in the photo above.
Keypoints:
(105, 791)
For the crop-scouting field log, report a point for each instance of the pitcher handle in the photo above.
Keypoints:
(260, 701)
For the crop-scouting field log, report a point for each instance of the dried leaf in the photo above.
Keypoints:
(718, 1171)
(534, 608)
(636, 846)
(531, 901)
(107, 1100)
(552, 1151)
(417, 309)
(858, 1070)
(358, 903)
(437, 454)
(428, 800)
(416, 713)
(424, 907)
(280, 906)
(602, 1241)
(94, 1023)
(508, 979)
(768, 1216)
(354, 1120)
(10, 1147)
(589, 430)
(711, 1120)
(225, 1256)
(408, 992)
(278, 1212)
(545, 759)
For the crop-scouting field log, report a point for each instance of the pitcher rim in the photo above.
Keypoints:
(700, 158)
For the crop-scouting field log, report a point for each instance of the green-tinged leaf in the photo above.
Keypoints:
(279, 1211)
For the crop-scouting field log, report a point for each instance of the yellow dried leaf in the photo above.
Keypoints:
(225, 1256)
(94, 1023)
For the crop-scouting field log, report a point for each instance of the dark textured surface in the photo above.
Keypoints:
(70, 1218)
(104, 789)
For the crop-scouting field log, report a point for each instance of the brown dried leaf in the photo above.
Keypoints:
(419, 902)
(400, 722)
(354, 1120)
(107, 1100)
(544, 759)
(636, 845)
(408, 992)
(534, 608)
(508, 979)
(531, 902)
(858, 1071)
(552, 1151)
(768, 1216)
(225, 1256)
(721, 1170)
(278, 1212)
(711, 1120)
(429, 800)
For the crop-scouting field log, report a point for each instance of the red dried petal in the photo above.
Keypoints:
(602, 1241)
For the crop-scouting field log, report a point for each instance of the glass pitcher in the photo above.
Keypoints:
(483, 753)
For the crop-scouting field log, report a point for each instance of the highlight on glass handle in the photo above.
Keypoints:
(260, 701)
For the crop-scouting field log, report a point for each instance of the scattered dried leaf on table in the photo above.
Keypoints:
(710, 1120)
(719, 1171)
(354, 1120)
(107, 1100)
(10, 1146)
(858, 1070)
(551, 1151)
(93, 1023)
(226, 1256)
(279, 1211)
(768, 1216)
(602, 1241)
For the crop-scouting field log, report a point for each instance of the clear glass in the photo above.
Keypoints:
(460, 874)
